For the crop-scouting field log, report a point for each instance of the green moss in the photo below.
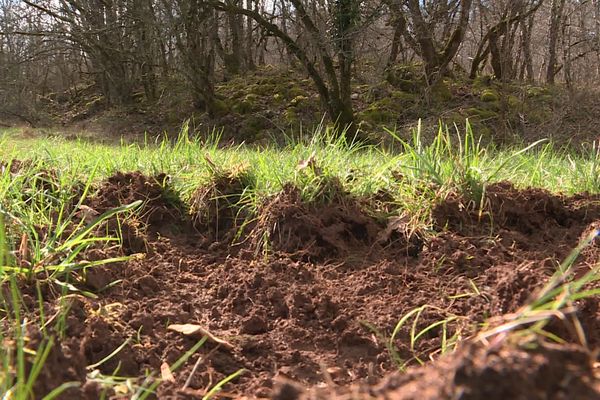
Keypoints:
(247, 105)
(489, 95)
(95, 104)
(221, 108)
(294, 91)
(406, 77)
(538, 115)
(454, 118)
(298, 100)
(481, 113)
(375, 115)
(482, 81)
(536, 91)
(242, 107)
(252, 126)
(387, 103)
(277, 98)
(441, 91)
(403, 97)
(482, 130)
(515, 104)
(264, 89)
(290, 116)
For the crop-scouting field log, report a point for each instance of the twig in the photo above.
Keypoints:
(196, 365)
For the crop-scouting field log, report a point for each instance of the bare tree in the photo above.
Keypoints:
(193, 25)
(434, 29)
(334, 45)
(499, 40)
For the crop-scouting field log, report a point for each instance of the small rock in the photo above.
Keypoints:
(254, 325)
(147, 284)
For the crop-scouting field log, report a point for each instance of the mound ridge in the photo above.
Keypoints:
(320, 309)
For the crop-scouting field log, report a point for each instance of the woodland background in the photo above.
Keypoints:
(517, 68)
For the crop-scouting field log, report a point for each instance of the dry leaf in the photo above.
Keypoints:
(398, 225)
(23, 253)
(121, 389)
(310, 162)
(165, 373)
(88, 214)
(197, 330)
(335, 372)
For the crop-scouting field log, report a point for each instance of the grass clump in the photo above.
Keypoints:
(218, 206)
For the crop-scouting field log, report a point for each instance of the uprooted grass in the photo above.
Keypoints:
(43, 240)
(229, 188)
(406, 182)
(218, 206)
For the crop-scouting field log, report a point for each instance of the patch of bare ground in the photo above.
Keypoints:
(306, 310)
(479, 372)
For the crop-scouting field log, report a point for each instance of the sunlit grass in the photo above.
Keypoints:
(363, 169)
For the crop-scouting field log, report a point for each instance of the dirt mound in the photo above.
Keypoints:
(527, 211)
(335, 230)
(13, 166)
(65, 363)
(161, 205)
(298, 316)
(479, 372)
(533, 220)
(216, 207)
(161, 211)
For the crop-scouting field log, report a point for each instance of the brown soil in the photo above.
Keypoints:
(319, 307)
(161, 211)
(478, 372)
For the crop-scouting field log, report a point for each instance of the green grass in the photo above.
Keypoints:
(451, 158)
(41, 240)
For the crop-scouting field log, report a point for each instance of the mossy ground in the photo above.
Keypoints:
(270, 104)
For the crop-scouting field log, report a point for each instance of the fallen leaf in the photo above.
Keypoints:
(121, 389)
(399, 225)
(197, 330)
(88, 214)
(23, 254)
(310, 163)
(165, 373)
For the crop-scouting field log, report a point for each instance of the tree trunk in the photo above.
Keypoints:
(556, 12)
(396, 48)
(527, 27)
(437, 62)
(249, 53)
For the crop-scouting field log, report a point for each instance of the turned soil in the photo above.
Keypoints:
(308, 297)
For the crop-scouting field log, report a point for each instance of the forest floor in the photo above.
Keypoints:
(182, 270)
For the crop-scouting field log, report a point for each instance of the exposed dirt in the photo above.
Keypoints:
(161, 211)
(215, 207)
(13, 166)
(334, 231)
(480, 372)
(321, 307)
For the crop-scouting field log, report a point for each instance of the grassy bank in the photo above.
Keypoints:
(455, 155)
